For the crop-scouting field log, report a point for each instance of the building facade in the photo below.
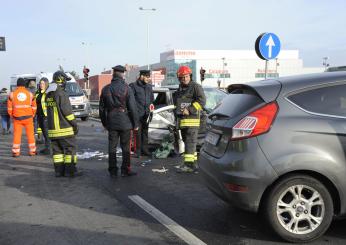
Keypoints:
(224, 67)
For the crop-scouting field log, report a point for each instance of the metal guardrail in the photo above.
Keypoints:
(94, 104)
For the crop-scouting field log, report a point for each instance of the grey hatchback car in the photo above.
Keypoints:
(278, 147)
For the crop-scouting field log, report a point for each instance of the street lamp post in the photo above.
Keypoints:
(149, 9)
(325, 62)
(223, 70)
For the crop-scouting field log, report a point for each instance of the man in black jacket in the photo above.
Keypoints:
(118, 115)
(144, 96)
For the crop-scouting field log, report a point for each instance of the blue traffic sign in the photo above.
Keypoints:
(268, 46)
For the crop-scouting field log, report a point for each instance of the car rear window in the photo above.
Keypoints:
(214, 97)
(237, 103)
(328, 100)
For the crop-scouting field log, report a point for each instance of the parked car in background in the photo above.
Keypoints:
(80, 103)
(279, 147)
(158, 126)
(336, 68)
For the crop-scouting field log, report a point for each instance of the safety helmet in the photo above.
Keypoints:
(60, 77)
(184, 70)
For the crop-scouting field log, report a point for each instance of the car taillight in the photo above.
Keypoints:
(256, 123)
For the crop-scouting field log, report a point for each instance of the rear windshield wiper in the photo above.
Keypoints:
(218, 116)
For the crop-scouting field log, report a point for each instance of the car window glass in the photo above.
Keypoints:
(73, 89)
(160, 99)
(214, 97)
(329, 100)
(236, 104)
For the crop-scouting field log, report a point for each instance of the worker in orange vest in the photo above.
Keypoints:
(21, 106)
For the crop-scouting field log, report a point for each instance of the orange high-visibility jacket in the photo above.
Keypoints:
(21, 104)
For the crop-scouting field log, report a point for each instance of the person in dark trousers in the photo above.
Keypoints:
(189, 101)
(118, 115)
(62, 127)
(144, 96)
(5, 118)
(31, 85)
(42, 113)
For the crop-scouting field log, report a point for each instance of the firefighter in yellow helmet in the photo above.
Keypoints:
(62, 127)
(189, 101)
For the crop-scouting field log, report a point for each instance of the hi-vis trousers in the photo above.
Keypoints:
(189, 136)
(17, 136)
(64, 151)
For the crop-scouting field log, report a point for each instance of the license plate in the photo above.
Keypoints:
(212, 138)
(77, 113)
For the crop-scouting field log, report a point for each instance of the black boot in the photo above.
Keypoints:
(113, 172)
(146, 152)
(71, 171)
(59, 170)
(45, 151)
(127, 172)
(76, 172)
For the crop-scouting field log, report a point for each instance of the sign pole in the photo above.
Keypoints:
(266, 70)
(2, 44)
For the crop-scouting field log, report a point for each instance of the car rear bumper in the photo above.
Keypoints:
(247, 169)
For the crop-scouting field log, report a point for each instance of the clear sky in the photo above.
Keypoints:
(41, 34)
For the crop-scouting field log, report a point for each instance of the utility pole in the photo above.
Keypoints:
(147, 10)
(325, 63)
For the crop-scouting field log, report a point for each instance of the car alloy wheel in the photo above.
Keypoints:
(299, 208)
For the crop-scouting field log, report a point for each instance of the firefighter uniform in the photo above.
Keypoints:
(191, 97)
(62, 127)
(21, 106)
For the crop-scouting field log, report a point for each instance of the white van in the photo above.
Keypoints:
(80, 103)
(27, 78)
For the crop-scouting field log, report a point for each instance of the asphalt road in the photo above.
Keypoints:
(37, 208)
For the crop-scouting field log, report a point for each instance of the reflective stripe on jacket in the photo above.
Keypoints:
(41, 102)
(193, 99)
(60, 118)
(21, 104)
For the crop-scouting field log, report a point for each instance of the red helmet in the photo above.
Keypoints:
(184, 70)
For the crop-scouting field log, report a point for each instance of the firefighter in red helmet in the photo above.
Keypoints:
(189, 101)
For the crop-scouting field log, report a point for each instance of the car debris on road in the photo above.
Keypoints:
(162, 170)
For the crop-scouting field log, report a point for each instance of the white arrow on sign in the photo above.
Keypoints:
(270, 43)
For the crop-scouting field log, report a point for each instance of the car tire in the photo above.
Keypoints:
(291, 217)
(85, 118)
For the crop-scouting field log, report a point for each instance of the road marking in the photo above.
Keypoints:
(180, 231)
